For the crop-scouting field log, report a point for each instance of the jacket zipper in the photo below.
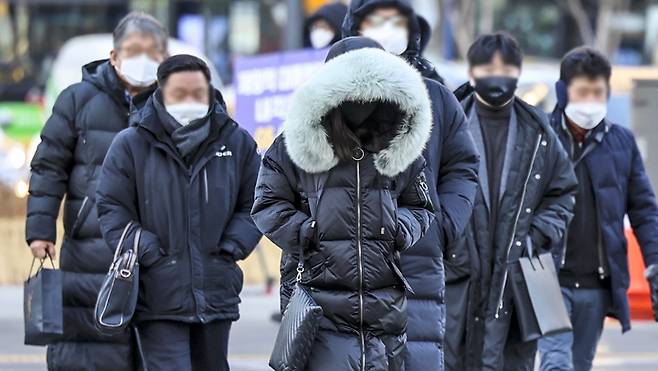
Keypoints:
(499, 305)
(573, 143)
(359, 252)
(601, 256)
(84, 201)
(205, 183)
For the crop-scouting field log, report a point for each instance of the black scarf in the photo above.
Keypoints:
(188, 139)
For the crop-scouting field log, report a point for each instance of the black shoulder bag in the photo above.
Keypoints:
(299, 326)
(538, 301)
(117, 298)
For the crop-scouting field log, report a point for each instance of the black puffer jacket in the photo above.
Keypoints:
(351, 218)
(419, 31)
(195, 218)
(74, 141)
(536, 205)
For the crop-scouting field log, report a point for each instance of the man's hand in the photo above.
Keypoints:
(651, 274)
(40, 248)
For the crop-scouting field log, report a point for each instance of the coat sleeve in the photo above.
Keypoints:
(415, 210)
(641, 207)
(457, 178)
(274, 211)
(555, 210)
(116, 200)
(241, 235)
(50, 169)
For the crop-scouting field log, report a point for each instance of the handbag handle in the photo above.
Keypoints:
(29, 275)
(120, 243)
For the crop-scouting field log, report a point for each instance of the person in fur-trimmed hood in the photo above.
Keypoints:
(344, 183)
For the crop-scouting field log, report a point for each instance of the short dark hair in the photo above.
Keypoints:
(180, 63)
(584, 61)
(484, 48)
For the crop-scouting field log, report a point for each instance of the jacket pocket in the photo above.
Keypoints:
(223, 280)
(162, 289)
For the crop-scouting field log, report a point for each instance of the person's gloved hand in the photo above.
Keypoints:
(651, 275)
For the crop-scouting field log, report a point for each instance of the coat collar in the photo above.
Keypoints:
(365, 75)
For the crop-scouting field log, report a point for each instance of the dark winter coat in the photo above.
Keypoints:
(419, 31)
(333, 14)
(351, 218)
(621, 187)
(74, 141)
(537, 198)
(452, 165)
(194, 218)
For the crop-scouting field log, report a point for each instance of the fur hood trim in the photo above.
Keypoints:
(364, 75)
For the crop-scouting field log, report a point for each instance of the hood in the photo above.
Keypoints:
(332, 14)
(359, 9)
(364, 75)
(425, 32)
(101, 74)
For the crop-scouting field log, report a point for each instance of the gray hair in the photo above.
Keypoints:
(142, 23)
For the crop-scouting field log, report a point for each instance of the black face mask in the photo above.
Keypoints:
(496, 90)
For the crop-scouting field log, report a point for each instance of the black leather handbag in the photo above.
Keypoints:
(538, 301)
(117, 298)
(299, 326)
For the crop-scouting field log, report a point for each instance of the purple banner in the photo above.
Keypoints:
(264, 85)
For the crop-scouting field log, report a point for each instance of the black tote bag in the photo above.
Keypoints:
(538, 301)
(42, 305)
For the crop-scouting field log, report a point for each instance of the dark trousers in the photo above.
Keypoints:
(574, 351)
(179, 346)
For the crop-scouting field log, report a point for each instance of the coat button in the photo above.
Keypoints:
(537, 176)
(544, 143)
(518, 243)
(577, 285)
(453, 255)
(477, 319)
(528, 210)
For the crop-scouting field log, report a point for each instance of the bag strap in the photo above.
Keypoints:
(300, 264)
(41, 261)
(121, 239)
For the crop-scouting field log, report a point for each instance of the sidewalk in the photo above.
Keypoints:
(253, 335)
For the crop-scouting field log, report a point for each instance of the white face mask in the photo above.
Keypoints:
(392, 38)
(321, 37)
(586, 114)
(139, 71)
(184, 113)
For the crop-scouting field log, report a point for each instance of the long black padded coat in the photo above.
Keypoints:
(86, 117)
(351, 218)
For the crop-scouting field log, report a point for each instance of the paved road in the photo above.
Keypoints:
(253, 335)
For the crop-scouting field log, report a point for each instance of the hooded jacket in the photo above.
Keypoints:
(350, 218)
(621, 187)
(536, 203)
(74, 142)
(333, 14)
(419, 31)
(194, 215)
